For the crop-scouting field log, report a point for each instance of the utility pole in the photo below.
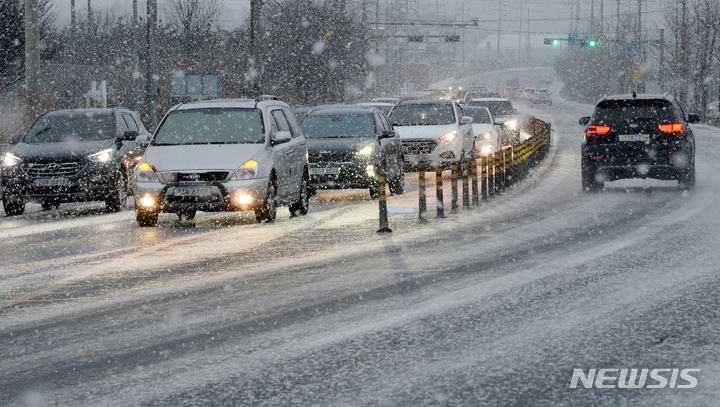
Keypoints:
(519, 33)
(89, 12)
(255, 6)
(592, 17)
(497, 57)
(617, 24)
(683, 55)
(661, 68)
(602, 17)
(151, 75)
(577, 15)
(32, 58)
(136, 57)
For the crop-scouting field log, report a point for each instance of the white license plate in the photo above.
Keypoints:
(422, 157)
(634, 137)
(325, 171)
(51, 182)
(192, 191)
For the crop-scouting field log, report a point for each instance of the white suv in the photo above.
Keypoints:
(433, 132)
(223, 155)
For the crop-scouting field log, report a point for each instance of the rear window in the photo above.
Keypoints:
(422, 115)
(480, 115)
(621, 111)
(317, 126)
(211, 126)
(76, 126)
(496, 107)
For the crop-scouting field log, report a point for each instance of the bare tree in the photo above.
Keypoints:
(192, 20)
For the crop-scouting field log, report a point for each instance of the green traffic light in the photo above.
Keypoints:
(555, 42)
(592, 43)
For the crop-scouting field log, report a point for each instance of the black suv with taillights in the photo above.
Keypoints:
(638, 136)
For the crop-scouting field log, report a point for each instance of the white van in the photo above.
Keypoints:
(223, 155)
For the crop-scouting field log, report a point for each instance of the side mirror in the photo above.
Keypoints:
(386, 134)
(584, 120)
(281, 137)
(15, 138)
(129, 135)
(142, 140)
(693, 118)
(466, 120)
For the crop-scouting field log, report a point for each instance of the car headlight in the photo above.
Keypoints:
(366, 150)
(511, 124)
(146, 173)
(450, 136)
(485, 150)
(101, 157)
(11, 160)
(487, 136)
(246, 171)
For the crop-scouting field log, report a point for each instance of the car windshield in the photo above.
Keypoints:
(496, 107)
(425, 114)
(619, 111)
(211, 126)
(338, 125)
(56, 128)
(480, 115)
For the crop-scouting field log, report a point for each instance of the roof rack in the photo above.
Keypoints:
(266, 97)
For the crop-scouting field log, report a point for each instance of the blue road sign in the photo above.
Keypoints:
(627, 49)
(652, 78)
(572, 39)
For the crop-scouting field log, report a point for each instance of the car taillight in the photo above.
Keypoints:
(671, 128)
(598, 129)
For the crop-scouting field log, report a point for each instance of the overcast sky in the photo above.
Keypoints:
(546, 16)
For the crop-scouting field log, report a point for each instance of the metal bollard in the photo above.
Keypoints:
(466, 185)
(422, 212)
(384, 227)
(439, 193)
(484, 178)
(475, 196)
(454, 185)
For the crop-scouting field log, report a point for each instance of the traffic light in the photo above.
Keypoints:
(551, 41)
(592, 43)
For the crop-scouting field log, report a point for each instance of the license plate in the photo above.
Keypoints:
(51, 182)
(192, 191)
(422, 157)
(634, 137)
(325, 171)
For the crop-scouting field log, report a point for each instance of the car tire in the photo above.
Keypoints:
(267, 211)
(686, 180)
(589, 182)
(374, 191)
(49, 205)
(118, 197)
(14, 206)
(397, 185)
(300, 208)
(146, 219)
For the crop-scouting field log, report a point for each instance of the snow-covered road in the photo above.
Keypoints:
(493, 306)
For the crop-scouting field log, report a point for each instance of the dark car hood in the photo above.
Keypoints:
(60, 151)
(338, 145)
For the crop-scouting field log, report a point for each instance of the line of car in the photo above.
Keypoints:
(236, 155)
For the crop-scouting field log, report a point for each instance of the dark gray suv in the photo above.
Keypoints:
(638, 136)
(70, 156)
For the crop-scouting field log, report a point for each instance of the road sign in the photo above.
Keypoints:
(627, 49)
(572, 39)
(637, 59)
(602, 40)
(637, 74)
(652, 79)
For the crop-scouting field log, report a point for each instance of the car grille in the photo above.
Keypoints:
(418, 146)
(194, 176)
(331, 157)
(54, 169)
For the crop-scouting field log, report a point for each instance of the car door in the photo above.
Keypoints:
(283, 156)
(300, 153)
(465, 130)
(391, 146)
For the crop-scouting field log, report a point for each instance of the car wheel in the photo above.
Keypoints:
(374, 191)
(49, 205)
(589, 181)
(686, 180)
(268, 210)
(13, 205)
(186, 214)
(397, 185)
(300, 208)
(146, 219)
(118, 197)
